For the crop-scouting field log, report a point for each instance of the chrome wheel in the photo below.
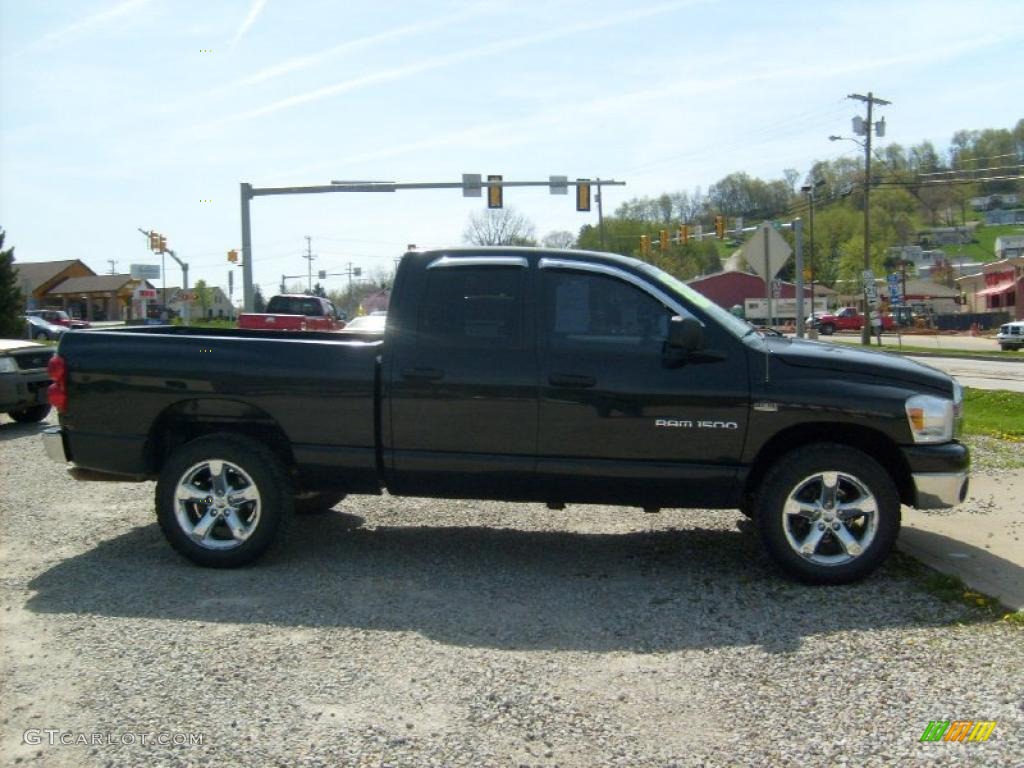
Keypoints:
(830, 518)
(217, 504)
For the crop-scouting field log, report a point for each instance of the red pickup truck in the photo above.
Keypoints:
(294, 312)
(847, 319)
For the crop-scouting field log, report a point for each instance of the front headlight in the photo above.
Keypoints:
(930, 418)
(7, 365)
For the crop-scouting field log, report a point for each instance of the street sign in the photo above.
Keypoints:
(870, 290)
(776, 288)
(471, 186)
(766, 245)
(145, 271)
(559, 185)
(895, 288)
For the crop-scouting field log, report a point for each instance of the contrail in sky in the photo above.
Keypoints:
(254, 12)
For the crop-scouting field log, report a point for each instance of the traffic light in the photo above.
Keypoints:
(582, 194)
(645, 245)
(720, 227)
(163, 244)
(233, 256)
(684, 234)
(663, 240)
(154, 241)
(494, 193)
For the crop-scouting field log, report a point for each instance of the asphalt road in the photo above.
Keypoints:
(981, 374)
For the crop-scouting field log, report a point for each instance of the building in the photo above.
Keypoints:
(734, 288)
(220, 307)
(1004, 216)
(999, 289)
(1009, 247)
(71, 286)
(939, 299)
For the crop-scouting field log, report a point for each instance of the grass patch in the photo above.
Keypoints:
(994, 412)
(985, 248)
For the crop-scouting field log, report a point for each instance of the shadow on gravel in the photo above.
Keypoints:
(492, 587)
(12, 430)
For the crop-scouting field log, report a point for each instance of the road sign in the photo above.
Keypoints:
(559, 185)
(870, 290)
(895, 288)
(766, 252)
(776, 288)
(471, 186)
(145, 271)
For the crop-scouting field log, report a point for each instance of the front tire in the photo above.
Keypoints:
(31, 414)
(827, 329)
(828, 514)
(223, 500)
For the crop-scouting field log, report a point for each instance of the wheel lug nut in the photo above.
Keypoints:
(821, 526)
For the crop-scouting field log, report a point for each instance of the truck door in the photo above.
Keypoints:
(463, 382)
(617, 424)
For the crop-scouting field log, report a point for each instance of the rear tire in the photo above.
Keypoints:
(828, 514)
(223, 500)
(30, 414)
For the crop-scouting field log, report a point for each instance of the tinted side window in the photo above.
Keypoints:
(473, 306)
(583, 310)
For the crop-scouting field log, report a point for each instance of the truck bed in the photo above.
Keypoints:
(317, 389)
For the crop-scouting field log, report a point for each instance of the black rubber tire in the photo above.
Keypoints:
(781, 480)
(31, 414)
(41, 336)
(827, 329)
(269, 477)
(318, 502)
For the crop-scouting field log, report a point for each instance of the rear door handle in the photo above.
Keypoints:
(571, 380)
(423, 374)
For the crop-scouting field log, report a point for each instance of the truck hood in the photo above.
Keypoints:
(847, 359)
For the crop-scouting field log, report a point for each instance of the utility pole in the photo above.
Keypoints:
(113, 266)
(870, 100)
(309, 258)
(600, 213)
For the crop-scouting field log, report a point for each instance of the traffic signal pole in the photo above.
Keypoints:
(248, 192)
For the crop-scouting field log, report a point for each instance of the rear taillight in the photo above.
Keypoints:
(57, 392)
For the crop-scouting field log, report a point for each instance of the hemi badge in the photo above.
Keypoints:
(765, 406)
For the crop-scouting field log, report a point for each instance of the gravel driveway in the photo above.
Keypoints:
(414, 632)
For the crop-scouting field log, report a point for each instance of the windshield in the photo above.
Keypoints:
(734, 324)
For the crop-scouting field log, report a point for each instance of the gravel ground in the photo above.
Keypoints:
(413, 632)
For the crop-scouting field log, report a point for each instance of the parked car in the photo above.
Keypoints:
(367, 324)
(37, 328)
(59, 317)
(518, 374)
(24, 379)
(1011, 335)
(847, 319)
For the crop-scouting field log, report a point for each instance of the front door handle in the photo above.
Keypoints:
(423, 374)
(572, 380)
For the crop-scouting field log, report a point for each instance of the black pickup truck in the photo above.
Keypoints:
(519, 375)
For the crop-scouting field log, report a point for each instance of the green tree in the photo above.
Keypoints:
(11, 300)
(259, 303)
(204, 296)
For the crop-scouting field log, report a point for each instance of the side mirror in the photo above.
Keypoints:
(685, 334)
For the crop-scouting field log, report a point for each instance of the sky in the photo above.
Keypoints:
(117, 115)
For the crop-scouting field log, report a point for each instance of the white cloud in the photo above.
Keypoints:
(85, 24)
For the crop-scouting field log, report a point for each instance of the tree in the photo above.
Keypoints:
(499, 226)
(204, 296)
(259, 304)
(11, 300)
(559, 239)
(318, 290)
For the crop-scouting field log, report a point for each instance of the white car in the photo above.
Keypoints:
(1011, 335)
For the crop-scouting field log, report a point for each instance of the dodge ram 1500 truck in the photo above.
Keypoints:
(521, 375)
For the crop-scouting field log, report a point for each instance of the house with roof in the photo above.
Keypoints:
(36, 278)
(1000, 288)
